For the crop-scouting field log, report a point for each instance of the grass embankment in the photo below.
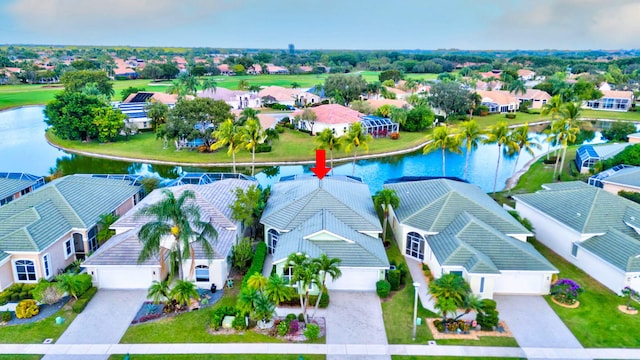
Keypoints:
(37, 332)
(597, 322)
(221, 357)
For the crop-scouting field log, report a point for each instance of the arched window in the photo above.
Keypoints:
(202, 273)
(415, 245)
(26, 270)
(272, 240)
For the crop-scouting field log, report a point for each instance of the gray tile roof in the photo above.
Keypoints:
(431, 205)
(628, 177)
(9, 187)
(338, 241)
(473, 244)
(36, 220)
(617, 248)
(293, 202)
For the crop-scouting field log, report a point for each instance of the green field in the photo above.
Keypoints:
(221, 357)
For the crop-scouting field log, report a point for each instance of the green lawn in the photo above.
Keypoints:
(37, 332)
(416, 357)
(221, 357)
(596, 322)
(20, 357)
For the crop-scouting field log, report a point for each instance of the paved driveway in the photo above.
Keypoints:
(533, 322)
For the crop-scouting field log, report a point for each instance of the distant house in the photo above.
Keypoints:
(526, 74)
(225, 69)
(499, 101)
(237, 99)
(454, 227)
(14, 185)
(589, 227)
(537, 98)
(612, 100)
(491, 74)
(333, 216)
(634, 138)
(287, 96)
(336, 117)
(115, 265)
(43, 232)
(275, 69)
(306, 69)
(377, 103)
(588, 155)
(400, 94)
(134, 107)
(254, 69)
(619, 178)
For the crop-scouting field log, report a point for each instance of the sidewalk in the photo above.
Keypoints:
(415, 268)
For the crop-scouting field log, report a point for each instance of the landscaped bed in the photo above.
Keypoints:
(150, 311)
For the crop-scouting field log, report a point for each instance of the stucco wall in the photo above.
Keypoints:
(614, 189)
(6, 275)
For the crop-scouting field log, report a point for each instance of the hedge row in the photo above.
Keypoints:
(257, 263)
(83, 300)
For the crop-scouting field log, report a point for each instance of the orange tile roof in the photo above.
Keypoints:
(617, 94)
(334, 114)
(500, 97)
(376, 103)
(533, 94)
(525, 72)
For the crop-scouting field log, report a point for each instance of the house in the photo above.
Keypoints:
(14, 185)
(43, 232)
(274, 69)
(333, 216)
(306, 69)
(254, 69)
(633, 138)
(237, 99)
(225, 69)
(589, 227)
(134, 107)
(526, 74)
(287, 96)
(336, 117)
(491, 74)
(399, 93)
(588, 155)
(618, 178)
(488, 85)
(612, 100)
(377, 103)
(454, 227)
(115, 265)
(499, 101)
(537, 98)
(267, 121)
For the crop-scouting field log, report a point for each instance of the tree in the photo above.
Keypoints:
(209, 84)
(450, 97)
(251, 136)
(124, 93)
(305, 275)
(517, 87)
(152, 71)
(277, 290)
(178, 219)
(520, 136)
(553, 107)
(385, 199)
(257, 282)
(345, 87)
(418, 119)
(193, 119)
(159, 291)
(183, 292)
(228, 134)
(310, 117)
(362, 107)
(71, 115)
(184, 84)
(564, 130)
(157, 112)
(246, 114)
(394, 75)
(72, 284)
(499, 134)
(241, 255)
(444, 139)
(470, 135)
(104, 233)
(619, 130)
(327, 139)
(326, 266)
(353, 139)
(247, 206)
(75, 81)
(108, 123)
(450, 292)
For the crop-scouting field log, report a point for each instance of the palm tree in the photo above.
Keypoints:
(209, 83)
(69, 283)
(353, 139)
(520, 136)
(159, 291)
(517, 87)
(444, 140)
(553, 107)
(251, 136)
(184, 291)
(326, 266)
(277, 290)
(246, 114)
(386, 198)
(499, 134)
(305, 275)
(469, 135)
(450, 292)
(566, 130)
(184, 84)
(228, 134)
(476, 100)
(179, 219)
(246, 299)
(263, 308)
(257, 282)
(327, 139)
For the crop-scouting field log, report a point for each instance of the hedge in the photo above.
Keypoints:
(83, 300)
(257, 263)
(394, 279)
(383, 288)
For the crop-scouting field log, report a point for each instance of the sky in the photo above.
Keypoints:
(326, 24)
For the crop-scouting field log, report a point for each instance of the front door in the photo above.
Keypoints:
(415, 246)
(78, 244)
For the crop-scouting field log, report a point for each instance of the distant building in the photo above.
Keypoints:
(612, 100)
(14, 185)
(292, 49)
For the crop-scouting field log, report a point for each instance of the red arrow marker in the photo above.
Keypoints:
(321, 168)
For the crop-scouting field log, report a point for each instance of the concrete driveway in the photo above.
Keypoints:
(534, 323)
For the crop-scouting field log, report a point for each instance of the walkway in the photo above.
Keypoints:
(415, 268)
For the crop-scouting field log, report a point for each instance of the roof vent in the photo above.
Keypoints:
(578, 214)
(633, 218)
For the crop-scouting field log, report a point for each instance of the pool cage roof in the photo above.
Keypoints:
(378, 126)
(21, 176)
(132, 179)
(206, 178)
(596, 180)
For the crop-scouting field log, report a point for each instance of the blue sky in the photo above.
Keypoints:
(326, 24)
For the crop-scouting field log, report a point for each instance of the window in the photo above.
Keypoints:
(272, 240)
(202, 273)
(574, 250)
(25, 270)
(46, 262)
(93, 242)
(287, 275)
(68, 248)
(415, 245)
(481, 284)
(25, 191)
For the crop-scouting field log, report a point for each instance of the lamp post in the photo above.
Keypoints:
(416, 286)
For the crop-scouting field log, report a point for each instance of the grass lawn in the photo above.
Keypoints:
(37, 332)
(416, 357)
(222, 357)
(597, 321)
(20, 357)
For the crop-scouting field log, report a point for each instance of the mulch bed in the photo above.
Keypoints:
(45, 312)
(150, 311)
(298, 336)
(472, 335)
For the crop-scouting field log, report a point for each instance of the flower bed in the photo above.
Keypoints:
(565, 291)
(292, 332)
(150, 311)
(472, 333)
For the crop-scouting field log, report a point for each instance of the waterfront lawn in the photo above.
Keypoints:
(37, 332)
(21, 357)
(221, 357)
(596, 322)
(417, 357)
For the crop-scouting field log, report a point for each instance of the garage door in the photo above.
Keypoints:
(522, 283)
(355, 279)
(124, 278)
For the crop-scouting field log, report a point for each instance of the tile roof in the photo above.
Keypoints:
(164, 98)
(280, 93)
(499, 97)
(431, 205)
(526, 72)
(334, 114)
(627, 177)
(376, 103)
(533, 94)
(291, 203)
(9, 187)
(617, 94)
(617, 248)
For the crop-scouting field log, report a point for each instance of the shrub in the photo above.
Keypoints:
(83, 300)
(283, 328)
(6, 316)
(312, 332)
(510, 116)
(301, 318)
(262, 148)
(394, 279)
(47, 293)
(220, 313)
(290, 317)
(294, 326)
(280, 129)
(487, 317)
(15, 297)
(257, 263)
(27, 309)
(394, 136)
(239, 323)
(24, 295)
(566, 291)
(383, 288)
(242, 254)
(324, 299)
(404, 271)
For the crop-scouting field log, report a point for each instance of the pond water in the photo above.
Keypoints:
(23, 148)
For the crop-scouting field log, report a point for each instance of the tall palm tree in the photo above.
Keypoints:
(567, 129)
(386, 198)
(476, 100)
(177, 219)
(305, 275)
(443, 139)
(326, 266)
(353, 139)
(553, 107)
(229, 135)
(246, 114)
(252, 135)
(209, 84)
(520, 136)
(517, 87)
(277, 290)
(157, 112)
(499, 134)
(469, 135)
(327, 139)
(184, 84)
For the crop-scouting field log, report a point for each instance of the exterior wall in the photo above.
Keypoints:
(523, 283)
(124, 277)
(475, 280)
(6, 274)
(633, 281)
(318, 127)
(57, 255)
(634, 140)
(218, 272)
(615, 188)
(599, 104)
(607, 274)
(36, 258)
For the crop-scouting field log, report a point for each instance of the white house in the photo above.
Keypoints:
(115, 265)
(454, 227)
(537, 98)
(589, 227)
(292, 97)
(526, 74)
(499, 101)
(612, 100)
(237, 99)
(336, 117)
(334, 216)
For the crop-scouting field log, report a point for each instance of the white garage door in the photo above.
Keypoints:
(124, 278)
(522, 283)
(355, 279)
